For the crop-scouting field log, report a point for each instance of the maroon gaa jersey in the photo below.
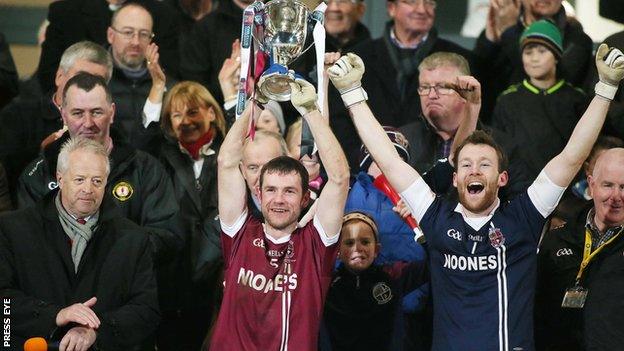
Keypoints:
(274, 289)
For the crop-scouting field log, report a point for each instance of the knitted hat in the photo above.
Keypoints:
(545, 33)
(400, 143)
(275, 109)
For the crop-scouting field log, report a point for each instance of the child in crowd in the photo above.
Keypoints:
(363, 305)
(542, 110)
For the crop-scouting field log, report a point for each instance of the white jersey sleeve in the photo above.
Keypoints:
(545, 194)
(418, 197)
(231, 230)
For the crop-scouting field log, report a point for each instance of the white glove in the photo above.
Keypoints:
(610, 66)
(303, 96)
(346, 75)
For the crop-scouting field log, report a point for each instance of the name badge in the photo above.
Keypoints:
(574, 297)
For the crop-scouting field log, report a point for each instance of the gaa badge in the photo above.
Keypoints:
(497, 239)
(382, 293)
(123, 191)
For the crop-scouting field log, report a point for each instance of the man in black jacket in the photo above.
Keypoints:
(597, 231)
(141, 188)
(74, 20)
(391, 78)
(73, 268)
(26, 122)
(138, 82)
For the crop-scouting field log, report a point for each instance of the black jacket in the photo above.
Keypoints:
(208, 44)
(37, 275)
(424, 144)
(129, 95)
(72, 21)
(5, 197)
(599, 324)
(8, 73)
(504, 59)
(392, 95)
(191, 280)
(364, 312)
(540, 120)
(150, 201)
(25, 123)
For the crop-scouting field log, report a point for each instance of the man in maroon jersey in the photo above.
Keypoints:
(276, 274)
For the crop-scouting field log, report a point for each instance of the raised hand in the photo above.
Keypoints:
(153, 66)
(80, 313)
(229, 73)
(303, 96)
(346, 75)
(610, 66)
(469, 88)
(501, 15)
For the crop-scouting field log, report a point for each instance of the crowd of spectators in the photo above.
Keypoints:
(129, 189)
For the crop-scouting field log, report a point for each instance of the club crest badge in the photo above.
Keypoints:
(382, 293)
(497, 239)
(123, 191)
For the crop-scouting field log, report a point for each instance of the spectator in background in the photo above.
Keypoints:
(392, 61)
(138, 83)
(140, 187)
(542, 110)
(189, 287)
(5, 195)
(443, 110)
(210, 42)
(596, 324)
(8, 74)
(272, 118)
(363, 306)
(72, 21)
(26, 122)
(498, 46)
(75, 270)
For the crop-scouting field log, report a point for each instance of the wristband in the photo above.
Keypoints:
(605, 90)
(353, 96)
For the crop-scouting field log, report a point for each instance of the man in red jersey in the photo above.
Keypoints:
(276, 274)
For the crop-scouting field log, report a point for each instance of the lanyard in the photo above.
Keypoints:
(588, 255)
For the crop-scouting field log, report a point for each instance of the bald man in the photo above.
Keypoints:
(582, 309)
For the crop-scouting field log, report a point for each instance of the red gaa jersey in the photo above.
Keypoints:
(274, 289)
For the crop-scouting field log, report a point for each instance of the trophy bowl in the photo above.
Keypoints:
(285, 31)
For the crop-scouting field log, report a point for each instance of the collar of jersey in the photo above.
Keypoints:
(272, 239)
(476, 222)
(535, 90)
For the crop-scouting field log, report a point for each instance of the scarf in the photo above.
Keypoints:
(194, 147)
(80, 234)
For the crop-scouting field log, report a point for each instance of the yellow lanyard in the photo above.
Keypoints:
(588, 255)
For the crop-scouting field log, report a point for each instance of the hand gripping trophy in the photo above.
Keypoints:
(273, 36)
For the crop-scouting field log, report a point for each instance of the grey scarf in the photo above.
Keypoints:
(80, 234)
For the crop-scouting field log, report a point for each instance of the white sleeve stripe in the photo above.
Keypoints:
(231, 230)
(328, 241)
(418, 197)
(544, 194)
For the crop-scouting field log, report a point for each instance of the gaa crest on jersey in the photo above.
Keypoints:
(497, 239)
(123, 191)
(382, 293)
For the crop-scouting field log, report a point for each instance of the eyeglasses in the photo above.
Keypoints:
(128, 34)
(340, 2)
(428, 3)
(424, 90)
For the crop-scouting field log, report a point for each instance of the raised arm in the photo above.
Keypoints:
(469, 89)
(230, 181)
(346, 75)
(562, 169)
(331, 202)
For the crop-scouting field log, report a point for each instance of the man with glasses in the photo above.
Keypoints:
(75, 20)
(138, 82)
(432, 136)
(392, 60)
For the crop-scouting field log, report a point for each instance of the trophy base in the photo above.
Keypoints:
(275, 83)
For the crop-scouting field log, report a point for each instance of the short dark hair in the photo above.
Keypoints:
(479, 137)
(286, 165)
(86, 81)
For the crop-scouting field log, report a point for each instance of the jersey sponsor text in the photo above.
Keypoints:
(471, 263)
(259, 282)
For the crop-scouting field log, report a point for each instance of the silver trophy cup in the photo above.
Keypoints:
(285, 31)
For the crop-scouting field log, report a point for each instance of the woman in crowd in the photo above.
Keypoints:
(188, 287)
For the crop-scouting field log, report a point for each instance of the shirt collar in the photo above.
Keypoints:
(400, 45)
(477, 222)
